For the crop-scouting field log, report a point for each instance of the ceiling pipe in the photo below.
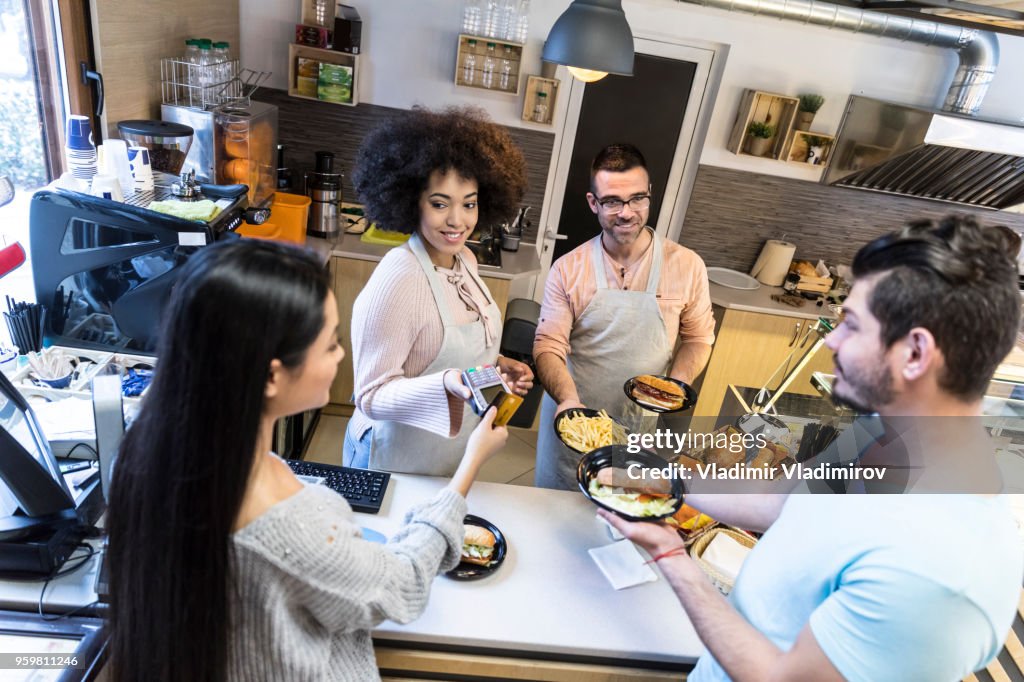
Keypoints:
(977, 50)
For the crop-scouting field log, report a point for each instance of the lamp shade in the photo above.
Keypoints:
(593, 35)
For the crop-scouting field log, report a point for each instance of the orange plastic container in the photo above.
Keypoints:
(287, 222)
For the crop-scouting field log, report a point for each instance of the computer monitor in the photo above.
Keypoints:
(29, 473)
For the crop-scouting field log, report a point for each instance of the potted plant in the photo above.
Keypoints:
(761, 135)
(809, 105)
(817, 147)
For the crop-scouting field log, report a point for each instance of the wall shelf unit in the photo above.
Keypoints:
(535, 85)
(472, 76)
(323, 75)
(800, 143)
(776, 110)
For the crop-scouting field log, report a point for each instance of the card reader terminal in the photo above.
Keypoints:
(488, 388)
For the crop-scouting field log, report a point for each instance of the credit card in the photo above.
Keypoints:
(507, 404)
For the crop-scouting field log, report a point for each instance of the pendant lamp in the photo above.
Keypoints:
(592, 38)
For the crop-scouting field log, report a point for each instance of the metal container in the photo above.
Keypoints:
(323, 187)
(232, 145)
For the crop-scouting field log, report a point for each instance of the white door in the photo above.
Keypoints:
(684, 161)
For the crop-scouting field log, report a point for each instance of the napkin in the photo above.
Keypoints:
(725, 554)
(622, 564)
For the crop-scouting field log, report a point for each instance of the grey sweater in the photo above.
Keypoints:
(309, 588)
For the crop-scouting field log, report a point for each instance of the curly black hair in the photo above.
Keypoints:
(394, 164)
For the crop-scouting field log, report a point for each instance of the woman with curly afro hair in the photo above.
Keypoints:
(425, 314)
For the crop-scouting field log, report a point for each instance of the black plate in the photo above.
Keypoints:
(689, 395)
(468, 571)
(586, 412)
(619, 455)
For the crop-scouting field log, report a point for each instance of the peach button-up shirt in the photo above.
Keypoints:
(682, 294)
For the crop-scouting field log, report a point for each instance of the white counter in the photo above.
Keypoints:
(548, 596)
(760, 301)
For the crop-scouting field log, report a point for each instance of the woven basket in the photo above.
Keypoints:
(721, 581)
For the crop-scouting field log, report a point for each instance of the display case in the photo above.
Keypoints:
(323, 75)
(777, 111)
(470, 59)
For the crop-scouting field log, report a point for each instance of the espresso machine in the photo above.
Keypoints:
(323, 186)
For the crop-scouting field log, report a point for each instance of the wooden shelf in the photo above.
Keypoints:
(796, 149)
(302, 84)
(479, 51)
(776, 110)
(534, 86)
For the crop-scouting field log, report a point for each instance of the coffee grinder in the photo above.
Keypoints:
(323, 186)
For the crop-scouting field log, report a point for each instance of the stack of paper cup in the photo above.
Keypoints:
(142, 168)
(773, 263)
(79, 150)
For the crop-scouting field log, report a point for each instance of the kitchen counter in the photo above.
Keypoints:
(548, 597)
(760, 301)
(514, 264)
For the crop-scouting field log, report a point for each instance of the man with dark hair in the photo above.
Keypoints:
(880, 587)
(625, 303)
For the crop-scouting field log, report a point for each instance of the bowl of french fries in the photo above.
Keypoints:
(585, 430)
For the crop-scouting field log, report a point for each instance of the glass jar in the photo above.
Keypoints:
(540, 108)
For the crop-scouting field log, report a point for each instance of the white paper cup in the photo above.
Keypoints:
(107, 187)
(142, 168)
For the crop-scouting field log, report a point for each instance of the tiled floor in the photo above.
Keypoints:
(513, 464)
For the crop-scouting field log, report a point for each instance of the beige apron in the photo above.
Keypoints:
(619, 335)
(407, 449)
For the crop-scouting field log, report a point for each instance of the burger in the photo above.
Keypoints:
(478, 545)
(640, 498)
(658, 393)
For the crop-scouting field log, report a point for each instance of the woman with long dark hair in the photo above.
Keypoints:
(425, 313)
(223, 565)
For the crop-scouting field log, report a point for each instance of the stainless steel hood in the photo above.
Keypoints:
(938, 155)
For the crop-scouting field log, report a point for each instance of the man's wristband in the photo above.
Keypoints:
(672, 552)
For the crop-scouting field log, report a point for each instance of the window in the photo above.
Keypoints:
(35, 56)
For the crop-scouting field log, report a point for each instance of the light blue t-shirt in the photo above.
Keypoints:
(895, 587)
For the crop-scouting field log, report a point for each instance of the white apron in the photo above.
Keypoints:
(619, 335)
(407, 449)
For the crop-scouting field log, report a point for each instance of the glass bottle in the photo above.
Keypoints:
(508, 21)
(505, 80)
(471, 17)
(469, 64)
(487, 73)
(523, 23)
(491, 16)
(540, 109)
(191, 57)
(219, 56)
(203, 65)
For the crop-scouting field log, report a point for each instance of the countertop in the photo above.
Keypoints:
(760, 301)
(514, 264)
(548, 596)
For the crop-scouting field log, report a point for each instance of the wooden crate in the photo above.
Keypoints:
(480, 52)
(534, 85)
(797, 147)
(296, 52)
(764, 107)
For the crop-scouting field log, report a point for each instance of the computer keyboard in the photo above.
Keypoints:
(364, 489)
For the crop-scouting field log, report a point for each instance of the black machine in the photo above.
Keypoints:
(104, 269)
(43, 515)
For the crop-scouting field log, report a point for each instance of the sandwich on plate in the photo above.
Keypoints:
(640, 498)
(658, 393)
(478, 546)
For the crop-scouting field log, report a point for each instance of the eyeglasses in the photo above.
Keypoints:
(615, 205)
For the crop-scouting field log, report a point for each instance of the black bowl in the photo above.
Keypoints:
(619, 456)
(468, 571)
(586, 412)
(689, 395)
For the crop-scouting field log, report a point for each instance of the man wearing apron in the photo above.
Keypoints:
(622, 304)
